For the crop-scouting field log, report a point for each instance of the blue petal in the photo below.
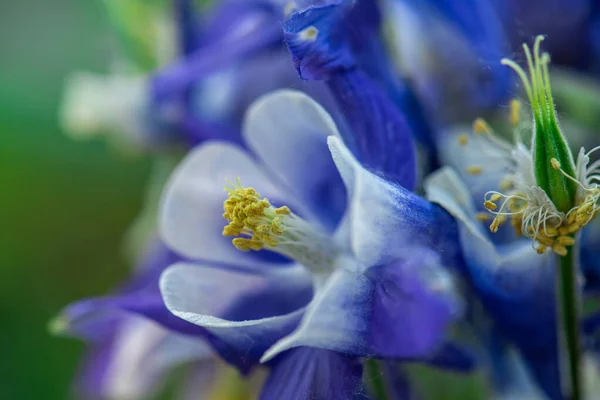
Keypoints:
(399, 310)
(590, 255)
(308, 373)
(513, 282)
(253, 29)
(246, 311)
(188, 26)
(452, 357)
(453, 50)
(386, 220)
(378, 133)
(318, 57)
(134, 362)
(565, 23)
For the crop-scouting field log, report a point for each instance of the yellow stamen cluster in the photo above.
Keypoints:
(250, 215)
(555, 232)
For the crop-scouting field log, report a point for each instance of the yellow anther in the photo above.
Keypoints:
(496, 223)
(555, 163)
(541, 249)
(252, 216)
(283, 210)
(515, 112)
(559, 249)
(474, 170)
(244, 244)
(483, 217)
(463, 139)
(565, 240)
(480, 126)
(495, 197)
(489, 205)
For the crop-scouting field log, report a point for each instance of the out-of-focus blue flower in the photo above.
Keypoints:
(130, 355)
(367, 280)
(571, 28)
(452, 51)
(515, 284)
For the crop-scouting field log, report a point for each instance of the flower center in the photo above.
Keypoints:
(275, 229)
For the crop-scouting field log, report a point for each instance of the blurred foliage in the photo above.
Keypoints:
(64, 206)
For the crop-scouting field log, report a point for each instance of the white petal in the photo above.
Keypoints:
(288, 130)
(191, 211)
(207, 296)
(384, 221)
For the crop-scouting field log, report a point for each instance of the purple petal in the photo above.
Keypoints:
(399, 310)
(308, 373)
(252, 30)
(379, 135)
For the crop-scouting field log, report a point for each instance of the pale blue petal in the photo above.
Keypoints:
(288, 130)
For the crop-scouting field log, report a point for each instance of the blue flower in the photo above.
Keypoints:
(367, 278)
(516, 284)
(452, 51)
(130, 356)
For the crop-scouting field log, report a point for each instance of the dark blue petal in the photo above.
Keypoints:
(186, 21)
(565, 23)
(452, 357)
(309, 373)
(377, 133)
(317, 45)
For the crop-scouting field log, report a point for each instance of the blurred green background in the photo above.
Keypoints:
(64, 206)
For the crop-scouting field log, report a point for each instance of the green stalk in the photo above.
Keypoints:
(376, 378)
(569, 335)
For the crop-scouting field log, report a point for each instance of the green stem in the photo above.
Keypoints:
(376, 379)
(569, 336)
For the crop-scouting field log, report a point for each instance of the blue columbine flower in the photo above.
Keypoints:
(366, 280)
(531, 189)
